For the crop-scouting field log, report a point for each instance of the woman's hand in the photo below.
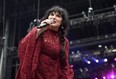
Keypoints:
(43, 28)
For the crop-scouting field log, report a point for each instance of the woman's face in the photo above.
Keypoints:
(57, 20)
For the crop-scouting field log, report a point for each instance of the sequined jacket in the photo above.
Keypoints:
(40, 57)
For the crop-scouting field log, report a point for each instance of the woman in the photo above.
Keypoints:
(43, 52)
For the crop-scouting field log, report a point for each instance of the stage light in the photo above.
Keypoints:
(114, 59)
(72, 52)
(71, 66)
(88, 62)
(104, 77)
(96, 78)
(113, 50)
(112, 76)
(100, 46)
(106, 47)
(90, 9)
(97, 61)
(105, 60)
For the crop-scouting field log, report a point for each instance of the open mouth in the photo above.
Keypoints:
(54, 22)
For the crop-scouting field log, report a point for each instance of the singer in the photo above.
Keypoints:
(43, 52)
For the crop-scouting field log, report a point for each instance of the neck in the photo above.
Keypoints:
(54, 28)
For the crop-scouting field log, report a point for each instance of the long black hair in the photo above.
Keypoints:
(63, 29)
(64, 15)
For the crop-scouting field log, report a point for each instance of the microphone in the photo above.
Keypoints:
(45, 24)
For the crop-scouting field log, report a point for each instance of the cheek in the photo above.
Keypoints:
(60, 21)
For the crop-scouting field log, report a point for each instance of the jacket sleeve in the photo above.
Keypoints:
(66, 71)
(21, 49)
(25, 53)
(23, 44)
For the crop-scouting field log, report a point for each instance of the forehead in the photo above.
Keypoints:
(56, 12)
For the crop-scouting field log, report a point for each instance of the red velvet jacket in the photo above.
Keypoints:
(40, 57)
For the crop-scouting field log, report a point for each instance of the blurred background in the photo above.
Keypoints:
(92, 34)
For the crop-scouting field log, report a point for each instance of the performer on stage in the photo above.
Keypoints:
(43, 52)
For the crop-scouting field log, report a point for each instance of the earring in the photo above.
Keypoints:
(62, 27)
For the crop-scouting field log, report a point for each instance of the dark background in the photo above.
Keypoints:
(84, 35)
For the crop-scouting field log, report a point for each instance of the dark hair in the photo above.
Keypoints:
(63, 29)
(63, 13)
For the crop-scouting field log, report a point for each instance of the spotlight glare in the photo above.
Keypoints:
(112, 76)
(88, 62)
(97, 61)
(100, 46)
(96, 78)
(71, 66)
(105, 60)
(114, 59)
(104, 77)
